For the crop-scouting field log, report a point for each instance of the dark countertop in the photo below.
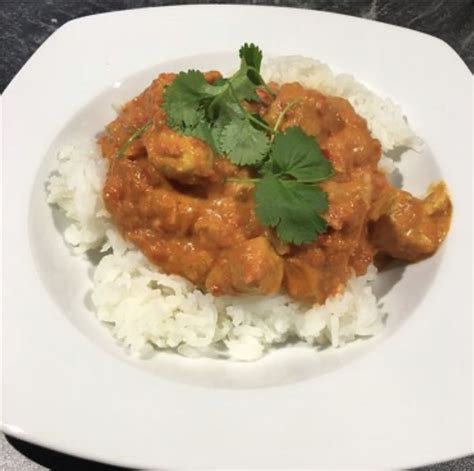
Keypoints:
(25, 24)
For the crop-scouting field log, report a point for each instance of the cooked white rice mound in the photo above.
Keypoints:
(147, 309)
(77, 189)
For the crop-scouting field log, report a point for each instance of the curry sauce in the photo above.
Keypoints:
(171, 196)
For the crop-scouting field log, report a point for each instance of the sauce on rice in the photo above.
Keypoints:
(171, 197)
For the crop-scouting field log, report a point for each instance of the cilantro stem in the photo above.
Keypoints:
(283, 113)
(310, 181)
(133, 138)
(259, 123)
(263, 84)
(242, 180)
(279, 176)
(246, 113)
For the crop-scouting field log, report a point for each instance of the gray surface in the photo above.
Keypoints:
(24, 25)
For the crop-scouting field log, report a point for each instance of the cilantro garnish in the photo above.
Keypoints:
(288, 165)
(295, 154)
(136, 135)
(204, 110)
(243, 143)
(287, 196)
(292, 208)
(184, 100)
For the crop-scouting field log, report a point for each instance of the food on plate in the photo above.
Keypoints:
(243, 211)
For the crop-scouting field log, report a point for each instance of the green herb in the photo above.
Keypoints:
(287, 108)
(287, 196)
(185, 98)
(243, 143)
(292, 208)
(288, 165)
(295, 154)
(137, 134)
(214, 112)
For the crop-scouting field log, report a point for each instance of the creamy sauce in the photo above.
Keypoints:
(170, 196)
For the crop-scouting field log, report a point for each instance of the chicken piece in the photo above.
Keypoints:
(255, 267)
(226, 222)
(353, 145)
(363, 254)
(169, 211)
(303, 282)
(408, 228)
(346, 195)
(250, 267)
(219, 280)
(126, 181)
(437, 204)
(212, 75)
(182, 158)
(175, 256)
(308, 110)
(321, 269)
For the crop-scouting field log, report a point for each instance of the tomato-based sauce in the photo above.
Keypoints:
(171, 196)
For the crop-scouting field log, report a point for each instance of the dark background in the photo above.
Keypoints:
(24, 25)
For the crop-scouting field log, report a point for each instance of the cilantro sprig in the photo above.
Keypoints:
(286, 192)
(288, 165)
(214, 113)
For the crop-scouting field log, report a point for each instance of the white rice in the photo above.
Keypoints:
(148, 310)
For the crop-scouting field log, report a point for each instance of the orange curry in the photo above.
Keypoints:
(170, 196)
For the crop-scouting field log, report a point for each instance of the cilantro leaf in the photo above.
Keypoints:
(222, 110)
(243, 144)
(183, 99)
(244, 88)
(251, 60)
(297, 155)
(292, 208)
(251, 55)
(245, 81)
(204, 131)
(287, 197)
(198, 108)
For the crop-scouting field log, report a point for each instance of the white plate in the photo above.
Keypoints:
(405, 400)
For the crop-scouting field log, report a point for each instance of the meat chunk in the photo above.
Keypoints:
(408, 228)
(319, 270)
(250, 267)
(168, 211)
(181, 158)
(308, 110)
(226, 222)
(353, 145)
(176, 256)
(303, 282)
(126, 181)
(349, 198)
